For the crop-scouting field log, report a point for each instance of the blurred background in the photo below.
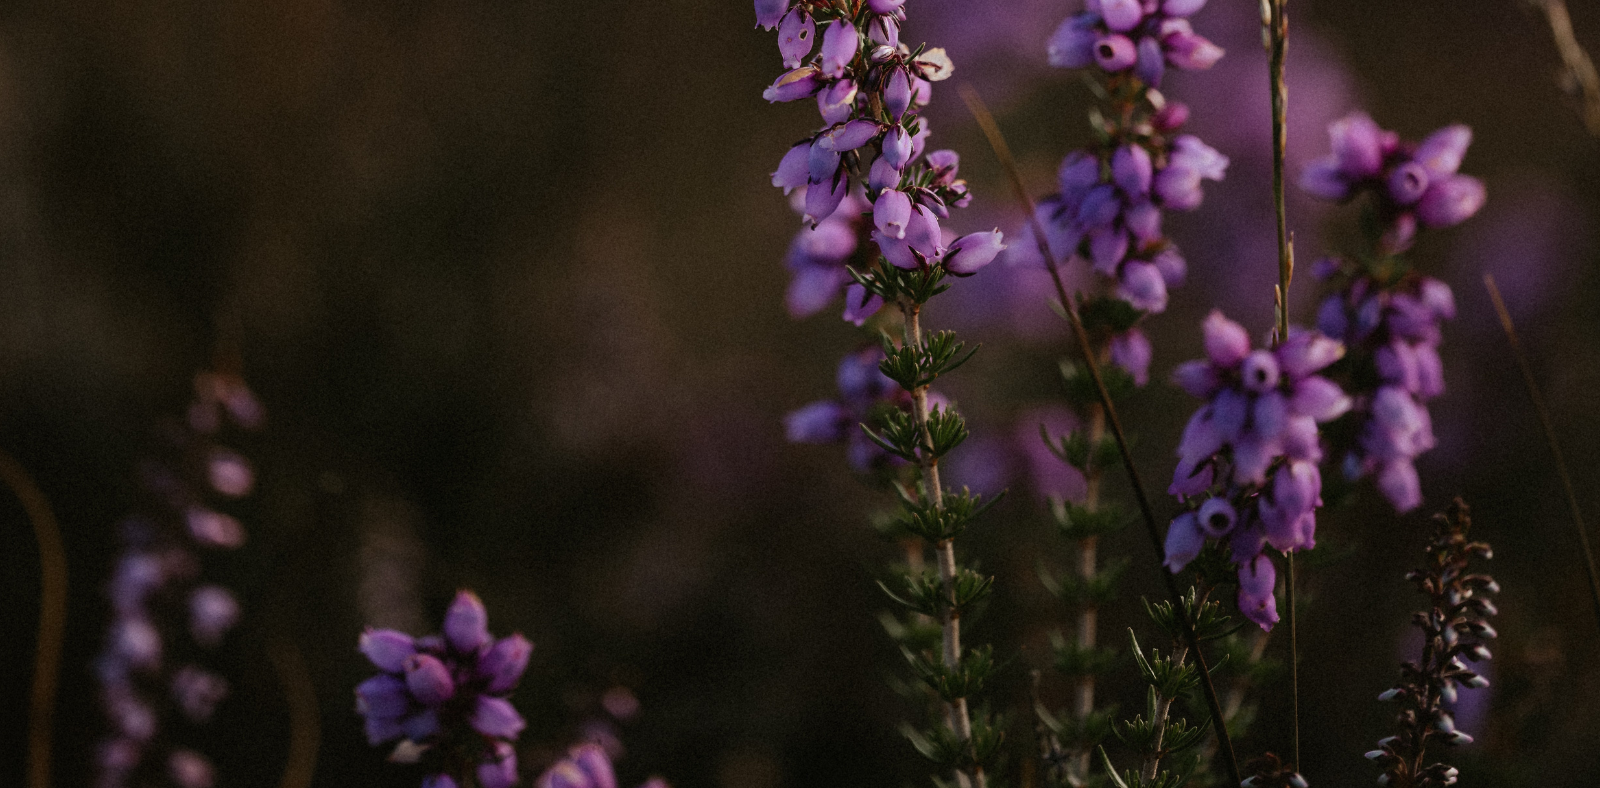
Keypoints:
(508, 279)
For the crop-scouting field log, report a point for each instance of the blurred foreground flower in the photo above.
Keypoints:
(444, 697)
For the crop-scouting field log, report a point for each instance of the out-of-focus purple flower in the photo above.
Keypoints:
(1411, 183)
(1131, 351)
(1115, 52)
(1393, 330)
(212, 612)
(1256, 582)
(863, 391)
(190, 769)
(447, 687)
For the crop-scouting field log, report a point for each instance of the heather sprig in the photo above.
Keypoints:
(1454, 628)
(1160, 737)
(445, 697)
(165, 616)
(1247, 467)
(889, 248)
(1387, 314)
(1107, 213)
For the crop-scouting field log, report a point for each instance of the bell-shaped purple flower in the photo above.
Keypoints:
(885, 6)
(1216, 517)
(1226, 342)
(1451, 201)
(836, 101)
(823, 198)
(595, 764)
(383, 695)
(796, 32)
(1072, 45)
(1289, 513)
(891, 212)
(1179, 8)
(819, 422)
(1184, 541)
(387, 649)
(897, 148)
(793, 85)
(429, 680)
(1142, 285)
(1115, 52)
(1198, 378)
(897, 93)
(1324, 178)
(1441, 153)
(1121, 15)
(1407, 183)
(792, 170)
(1357, 145)
(1131, 170)
(499, 769)
(1187, 50)
(496, 717)
(1397, 480)
(973, 251)
(849, 136)
(466, 623)
(1256, 581)
(840, 43)
(1259, 372)
(770, 12)
(1151, 65)
(502, 665)
(1131, 351)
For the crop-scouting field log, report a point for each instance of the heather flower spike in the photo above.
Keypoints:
(1454, 629)
(878, 204)
(445, 697)
(1247, 464)
(1107, 214)
(165, 616)
(1388, 315)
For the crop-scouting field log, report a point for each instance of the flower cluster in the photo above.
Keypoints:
(445, 697)
(865, 394)
(1248, 459)
(1108, 209)
(1453, 628)
(1394, 330)
(158, 579)
(1385, 313)
(1144, 36)
(1412, 184)
(587, 766)
(869, 89)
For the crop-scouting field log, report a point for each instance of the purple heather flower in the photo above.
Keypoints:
(1120, 15)
(214, 529)
(1115, 52)
(190, 769)
(897, 148)
(1072, 46)
(1182, 7)
(439, 781)
(1131, 351)
(448, 687)
(229, 473)
(1412, 183)
(212, 612)
(770, 12)
(1186, 50)
(885, 6)
(504, 663)
(797, 84)
(1256, 581)
(796, 32)
(973, 251)
(466, 623)
(840, 42)
(499, 767)
(836, 101)
(197, 692)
